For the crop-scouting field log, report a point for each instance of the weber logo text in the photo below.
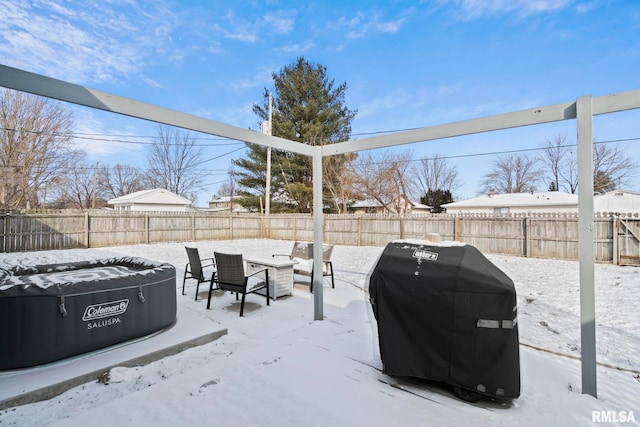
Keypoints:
(421, 254)
(106, 309)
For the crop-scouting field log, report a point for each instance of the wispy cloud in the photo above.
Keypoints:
(261, 77)
(249, 30)
(278, 22)
(385, 102)
(151, 82)
(585, 7)
(238, 115)
(429, 106)
(84, 42)
(403, 99)
(299, 48)
(475, 9)
(98, 140)
(364, 23)
(236, 28)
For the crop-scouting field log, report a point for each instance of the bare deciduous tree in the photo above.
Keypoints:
(227, 189)
(557, 160)
(611, 167)
(340, 181)
(173, 162)
(79, 189)
(384, 178)
(35, 147)
(434, 174)
(513, 174)
(120, 179)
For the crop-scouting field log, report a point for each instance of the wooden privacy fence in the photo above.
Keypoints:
(617, 237)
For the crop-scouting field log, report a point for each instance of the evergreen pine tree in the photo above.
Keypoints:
(437, 198)
(309, 108)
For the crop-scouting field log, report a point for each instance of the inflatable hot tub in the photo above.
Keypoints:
(50, 312)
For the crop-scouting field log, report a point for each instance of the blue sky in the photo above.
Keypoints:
(406, 64)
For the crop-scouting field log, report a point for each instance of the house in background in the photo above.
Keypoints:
(223, 203)
(157, 199)
(368, 206)
(516, 203)
(374, 206)
(618, 201)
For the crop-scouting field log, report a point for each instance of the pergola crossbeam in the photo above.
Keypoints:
(531, 116)
(36, 84)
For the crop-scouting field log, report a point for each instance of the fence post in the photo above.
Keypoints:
(295, 227)
(527, 237)
(193, 227)
(456, 229)
(268, 231)
(146, 229)
(86, 230)
(359, 231)
(5, 233)
(614, 234)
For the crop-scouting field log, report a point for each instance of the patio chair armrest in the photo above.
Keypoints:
(211, 263)
(257, 271)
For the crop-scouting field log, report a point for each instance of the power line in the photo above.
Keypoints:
(489, 153)
(493, 153)
(378, 132)
(153, 143)
(217, 157)
(109, 137)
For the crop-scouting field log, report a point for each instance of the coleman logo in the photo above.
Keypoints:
(430, 256)
(105, 309)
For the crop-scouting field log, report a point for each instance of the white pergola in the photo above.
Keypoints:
(582, 109)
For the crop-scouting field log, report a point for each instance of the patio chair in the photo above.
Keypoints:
(231, 276)
(302, 252)
(195, 269)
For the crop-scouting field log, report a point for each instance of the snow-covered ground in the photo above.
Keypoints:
(279, 367)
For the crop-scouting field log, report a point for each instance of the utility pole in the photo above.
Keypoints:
(232, 188)
(267, 128)
(95, 183)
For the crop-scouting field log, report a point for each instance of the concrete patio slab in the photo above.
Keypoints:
(21, 386)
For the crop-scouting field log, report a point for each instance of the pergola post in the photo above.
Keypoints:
(586, 250)
(318, 278)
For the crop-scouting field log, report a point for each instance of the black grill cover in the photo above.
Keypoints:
(446, 313)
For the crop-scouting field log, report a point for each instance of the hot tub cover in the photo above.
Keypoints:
(49, 312)
(446, 313)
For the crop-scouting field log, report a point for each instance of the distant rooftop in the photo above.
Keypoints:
(547, 198)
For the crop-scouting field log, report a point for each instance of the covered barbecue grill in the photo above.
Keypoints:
(446, 313)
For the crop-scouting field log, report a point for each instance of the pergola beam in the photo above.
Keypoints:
(532, 116)
(37, 84)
